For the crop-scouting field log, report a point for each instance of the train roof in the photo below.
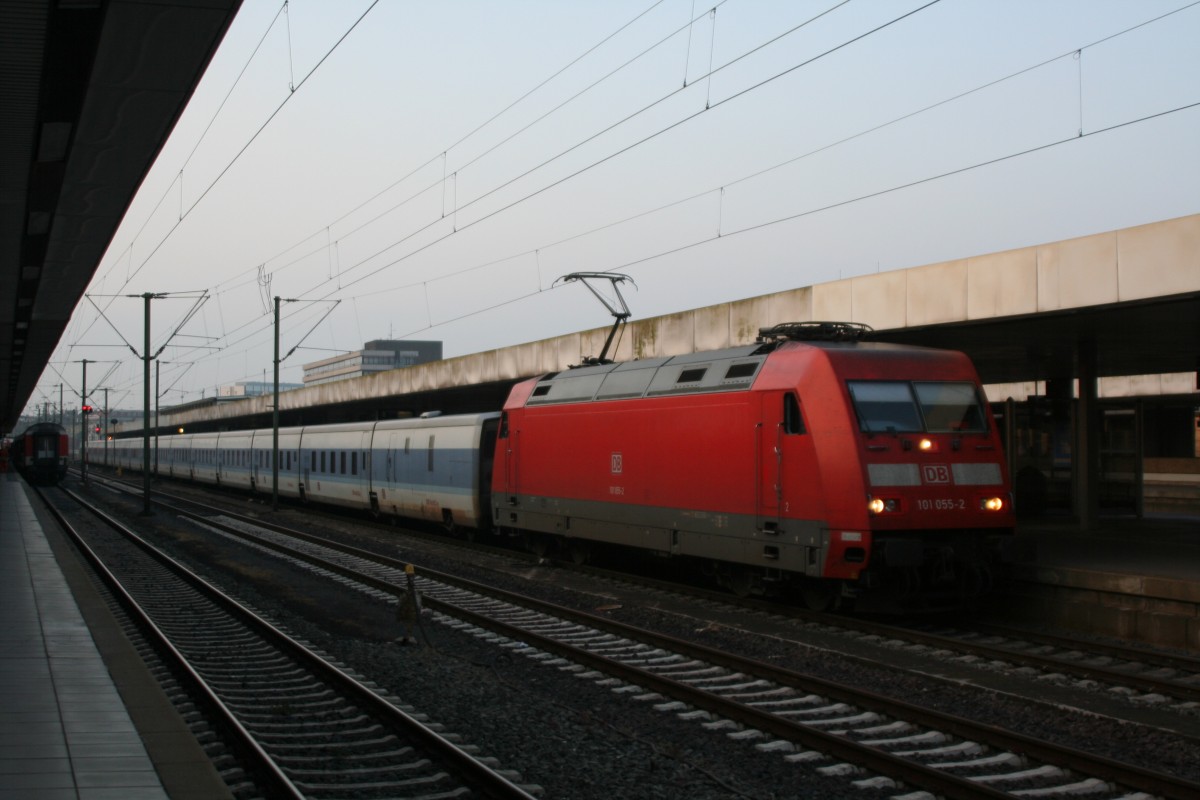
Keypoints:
(732, 369)
(43, 427)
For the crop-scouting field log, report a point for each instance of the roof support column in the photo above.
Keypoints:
(1085, 467)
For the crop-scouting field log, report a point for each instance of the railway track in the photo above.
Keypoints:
(1151, 675)
(305, 726)
(1135, 672)
(874, 740)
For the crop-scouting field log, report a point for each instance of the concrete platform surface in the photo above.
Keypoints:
(1136, 579)
(1159, 555)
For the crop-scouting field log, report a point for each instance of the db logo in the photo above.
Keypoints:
(935, 473)
(617, 464)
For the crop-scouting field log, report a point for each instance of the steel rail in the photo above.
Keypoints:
(1107, 675)
(1126, 653)
(1125, 774)
(262, 764)
(1102, 674)
(469, 768)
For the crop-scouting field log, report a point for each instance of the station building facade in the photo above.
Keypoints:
(378, 355)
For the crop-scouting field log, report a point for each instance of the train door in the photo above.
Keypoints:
(510, 440)
(769, 458)
(788, 483)
(487, 454)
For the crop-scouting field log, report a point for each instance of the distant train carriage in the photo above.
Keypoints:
(435, 468)
(826, 466)
(40, 453)
(333, 458)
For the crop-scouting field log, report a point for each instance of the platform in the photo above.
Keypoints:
(1132, 578)
(77, 718)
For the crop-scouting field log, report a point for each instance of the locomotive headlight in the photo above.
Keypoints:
(926, 446)
(991, 503)
(880, 505)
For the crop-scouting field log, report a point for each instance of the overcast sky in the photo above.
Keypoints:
(436, 165)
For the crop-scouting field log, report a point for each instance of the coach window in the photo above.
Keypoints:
(333, 462)
(343, 460)
(313, 453)
(793, 423)
(322, 461)
(431, 453)
(354, 463)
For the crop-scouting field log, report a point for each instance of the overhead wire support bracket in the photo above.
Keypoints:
(615, 305)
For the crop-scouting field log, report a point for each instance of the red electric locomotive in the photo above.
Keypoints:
(810, 461)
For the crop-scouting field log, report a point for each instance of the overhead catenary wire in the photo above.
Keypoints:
(478, 128)
(199, 141)
(253, 137)
(130, 275)
(808, 154)
(184, 213)
(670, 126)
(427, 281)
(492, 307)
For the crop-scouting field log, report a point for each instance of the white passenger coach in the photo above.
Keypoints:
(431, 468)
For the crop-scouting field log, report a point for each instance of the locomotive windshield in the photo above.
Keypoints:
(917, 407)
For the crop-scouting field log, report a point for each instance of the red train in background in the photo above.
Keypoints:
(40, 453)
(809, 462)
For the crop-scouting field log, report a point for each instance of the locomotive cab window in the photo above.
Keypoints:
(927, 406)
(793, 423)
(885, 406)
(951, 407)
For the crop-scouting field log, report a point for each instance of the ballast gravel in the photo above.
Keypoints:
(575, 738)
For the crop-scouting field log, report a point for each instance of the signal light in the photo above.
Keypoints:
(87, 409)
(97, 429)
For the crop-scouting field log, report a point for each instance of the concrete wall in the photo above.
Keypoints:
(1155, 260)
(1159, 259)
